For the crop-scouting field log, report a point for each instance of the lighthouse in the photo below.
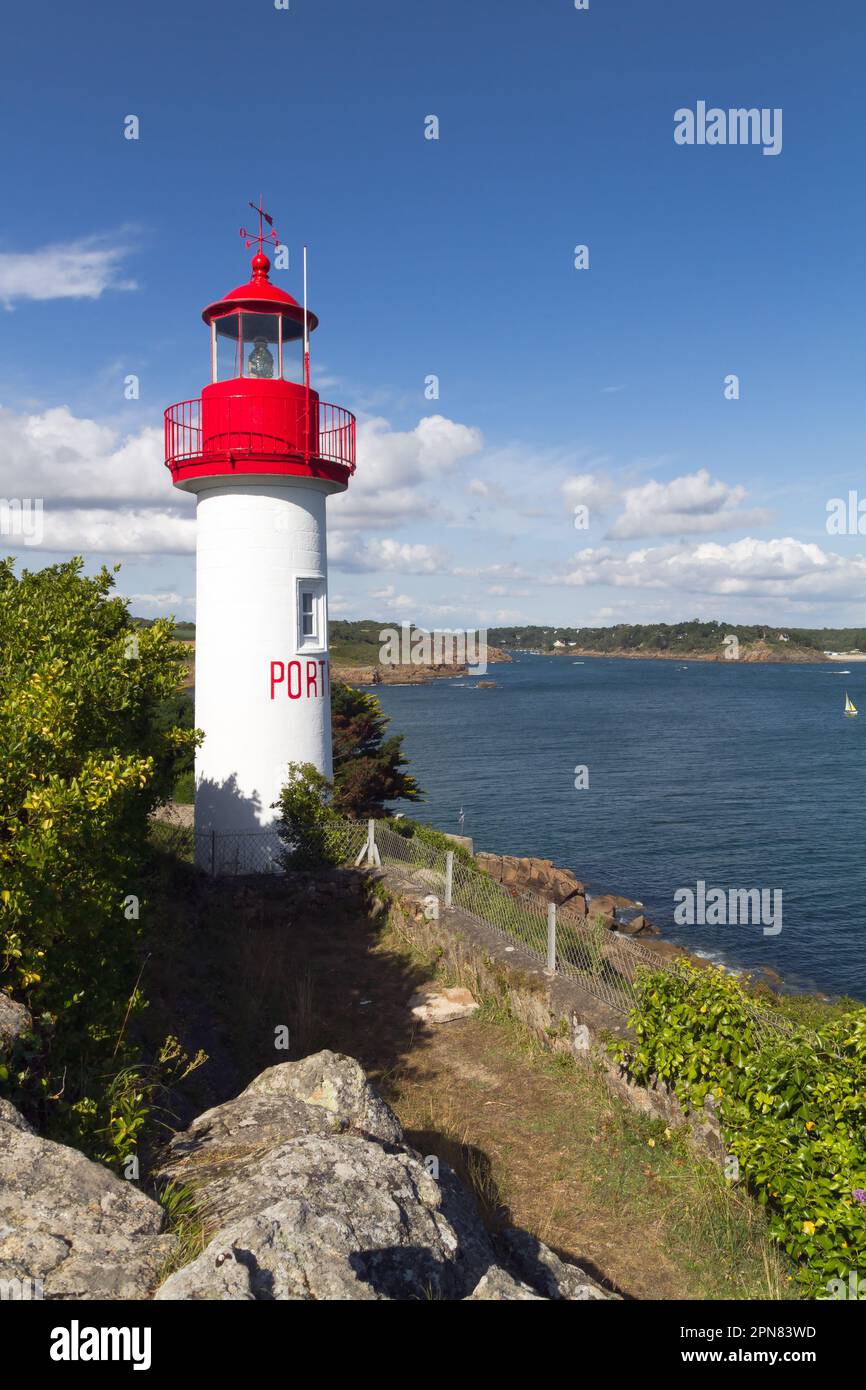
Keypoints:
(262, 454)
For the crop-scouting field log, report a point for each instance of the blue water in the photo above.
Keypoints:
(742, 776)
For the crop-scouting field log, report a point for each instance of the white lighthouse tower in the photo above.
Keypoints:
(262, 454)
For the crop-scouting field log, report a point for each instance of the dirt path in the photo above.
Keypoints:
(536, 1134)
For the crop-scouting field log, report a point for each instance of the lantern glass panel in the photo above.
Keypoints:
(261, 345)
(293, 355)
(228, 359)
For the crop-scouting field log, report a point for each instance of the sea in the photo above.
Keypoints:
(734, 776)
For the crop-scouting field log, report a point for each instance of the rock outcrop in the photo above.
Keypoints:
(540, 876)
(70, 1229)
(542, 879)
(315, 1196)
(14, 1022)
(309, 1191)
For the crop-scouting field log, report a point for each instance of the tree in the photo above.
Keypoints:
(84, 758)
(368, 766)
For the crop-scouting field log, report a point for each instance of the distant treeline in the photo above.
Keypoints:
(692, 636)
(359, 641)
(181, 632)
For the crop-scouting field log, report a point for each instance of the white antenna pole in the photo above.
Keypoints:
(306, 329)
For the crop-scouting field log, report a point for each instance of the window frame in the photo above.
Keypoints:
(315, 586)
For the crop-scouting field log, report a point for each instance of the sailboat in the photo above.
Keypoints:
(850, 707)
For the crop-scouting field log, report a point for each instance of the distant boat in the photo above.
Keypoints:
(850, 707)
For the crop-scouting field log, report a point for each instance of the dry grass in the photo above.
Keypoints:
(535, 1134)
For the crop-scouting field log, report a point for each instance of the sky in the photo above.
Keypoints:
(588, 459)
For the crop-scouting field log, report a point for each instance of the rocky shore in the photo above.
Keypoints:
(541, 878)
(750, 653)
(409, 674)
(305, 1189)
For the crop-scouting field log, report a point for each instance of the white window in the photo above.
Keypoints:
(312, 615)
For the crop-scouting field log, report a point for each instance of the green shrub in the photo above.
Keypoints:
(426, 834)
(84, 759)
(308, 826)
(792, 1108)
(184, 789)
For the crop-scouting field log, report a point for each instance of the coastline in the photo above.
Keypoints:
(627, 917)
(750, 655)
(415, 673)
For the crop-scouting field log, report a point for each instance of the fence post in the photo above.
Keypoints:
(213, 854)
(449, 876)
(373, 855)
(551, 936)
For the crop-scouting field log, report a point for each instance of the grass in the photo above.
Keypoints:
(184, 1219)
(535, 1133)
(543, 1144)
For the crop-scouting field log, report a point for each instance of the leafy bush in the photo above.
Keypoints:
(417, 830)
(308, 825)
(184, 789)
(84, 758)
(792, 1108)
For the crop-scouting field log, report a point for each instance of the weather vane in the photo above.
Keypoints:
(270, 237)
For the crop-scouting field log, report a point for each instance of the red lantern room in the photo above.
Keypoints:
(258, 415)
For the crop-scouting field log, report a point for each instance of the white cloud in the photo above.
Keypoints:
(401, 472)
(163, 602)
(692, 503)
(81, 269)
(349, 552)
(116, 531)
(390, 598)
(784, 568)
(594, 490)
(61, 456)
(506, 570)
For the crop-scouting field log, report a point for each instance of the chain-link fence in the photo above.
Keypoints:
(603, 962)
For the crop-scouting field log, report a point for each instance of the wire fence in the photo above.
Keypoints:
(582, 948)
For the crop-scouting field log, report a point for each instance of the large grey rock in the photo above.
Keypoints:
(497, 1286)
(10, 1116)
(325, 1094)
(334, 1083)
(530, 1260)
(71, 1224)
(338, 1218)
(14, 1020)
(313, 1196)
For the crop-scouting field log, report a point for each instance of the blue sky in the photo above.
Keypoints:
(601, 387)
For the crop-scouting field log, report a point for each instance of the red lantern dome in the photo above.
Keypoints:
(259, 416)
(259, 295)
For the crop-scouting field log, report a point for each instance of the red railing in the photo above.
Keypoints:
(184, 441)
(336, 434)
(182, 431)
